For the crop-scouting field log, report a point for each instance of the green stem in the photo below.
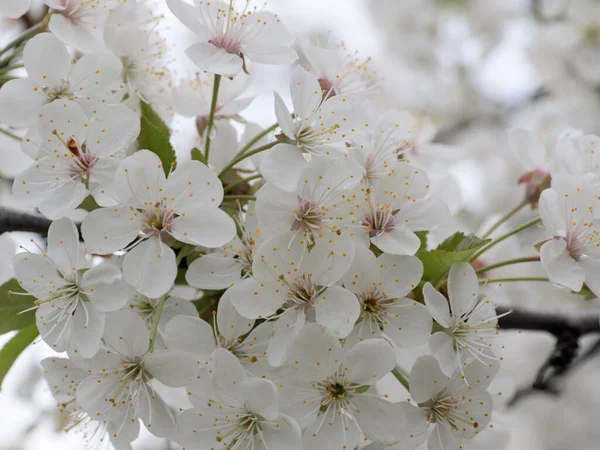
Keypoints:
(239, 197)
(246, 155)
(156, 319)
(6, 61)
(38, 28)
(506, 217)
(232, 186)
(211, 117)
(10, 135)
(401, 378)
(508, 263)
(256, 138)
(504, 237)
(510, 280)
(8, 69)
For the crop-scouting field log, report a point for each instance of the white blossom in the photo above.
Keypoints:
(156, 211)
(76, 157)
(229, 37)
(52, 75)
(73, 298)
(468, 323)
(238, 412)
(330, 391)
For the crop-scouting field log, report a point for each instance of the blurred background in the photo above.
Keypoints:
(474, 68)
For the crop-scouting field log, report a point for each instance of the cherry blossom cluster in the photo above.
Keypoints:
(304, 245)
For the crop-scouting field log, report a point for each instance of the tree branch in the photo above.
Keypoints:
(567, 327)
(11, 220)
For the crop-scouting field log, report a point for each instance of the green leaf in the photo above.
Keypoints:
(456, 248)
(198, 156)
(422, 235)
(89, 204)
(13, 348)
(11, 305)
(155, 136)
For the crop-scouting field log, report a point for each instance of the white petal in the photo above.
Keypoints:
(60, 121)
(463, 288)
(316, 354)
(63, 245)
(256, 300)
(306, 92)
(88, 328)
(56, 335)
(150, 268)
(13, 9)
(172, 368)
(192, 335)
(337, 309)
(72, 33)
(230, 323)
(261, 397)
(213, 271)
(214, 60)
(36, 274)
(283, 433)
(400, 274)
(94, 73)
(437, 305)
(552, 211)
(207, 227)
(363, 272)
(380, 420)
(192, 186)
(272, 54)
(425, 214)
(285, 331)
(101, 181)
(274, 208)
(284, 117)
(140, 179)
(47, 61)
(107, 230)
(282, 166)
(112, 129)
(103, 286)
(126, 333)
(441, 345)
(333, 434)
(20, 103)
(159, 418)
(408, 323)
(369, 361)
(426, 379)
(187, 15)
(227, 374)
(399, 241)
(561, 268)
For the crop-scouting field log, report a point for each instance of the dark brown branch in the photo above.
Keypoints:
(11, 220)
(567, 327)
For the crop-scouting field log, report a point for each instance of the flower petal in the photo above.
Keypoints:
(369, 361)
(207, 227)
(463, 288)
(214, 60)
(150, 268)
(261, 397)
(282, 166)
(337, 310)
(63, 245)
(426, 379)
(47, 61)
(126, 334)
(437, 305)
(561, 268)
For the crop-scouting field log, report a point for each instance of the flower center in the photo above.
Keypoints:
(309, 216)
(378, 222)
(303, 290)
(158, 220)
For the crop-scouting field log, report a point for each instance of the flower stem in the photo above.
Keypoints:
(239, 197)
(510, 280)
(508, 262)
(10, 135)
(506, 217)
(211, 117)
(4, 70)
(36, 29)
(401, 378)
(241, 157)
(505, 236)
(232, 186)
(257, 138)
(157, 314)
